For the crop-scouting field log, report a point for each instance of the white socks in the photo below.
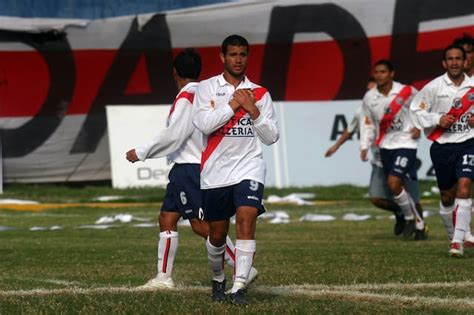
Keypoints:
(462, 219)
(244, 253)
(406, 203)
(167, 247)
(446, 214)
(215, 258)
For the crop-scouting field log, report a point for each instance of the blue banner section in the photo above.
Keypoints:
(93, 9)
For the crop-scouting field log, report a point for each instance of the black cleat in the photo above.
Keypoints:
(421, 235)
(238, 298)
(410, 228)
(218, 291)
(399, 224)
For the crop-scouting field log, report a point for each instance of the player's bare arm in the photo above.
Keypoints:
(132, 156)
(446, 121)
(246, 99)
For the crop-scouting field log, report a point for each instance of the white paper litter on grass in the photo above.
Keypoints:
(274, 214)
(317, 217)
(182, 222)
(6, 228)
(356, 217)
(145, 225)
(17, 202)
(291, 198)
(109, 198)
(121, 217)
(279, 220)
(38, 228)
(98, 226)
(56, 227)
(435, 190)
(426, 193)
(427, 213)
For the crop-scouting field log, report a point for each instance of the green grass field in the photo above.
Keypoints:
(341, 267)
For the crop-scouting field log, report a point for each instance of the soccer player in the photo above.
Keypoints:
(379, 193)
(444, 108)
(467, 43)
(233, 113)
(387, 125)
(181, 142)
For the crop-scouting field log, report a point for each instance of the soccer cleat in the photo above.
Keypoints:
(218, 291)
(157, 283)
(399, 224)
(238, 298)
(409, 228)
(421, 235)
(456, 250)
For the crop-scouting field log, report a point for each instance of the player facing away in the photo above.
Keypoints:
(233, 114)
(387, 125)
(444, 108)
(181, 142)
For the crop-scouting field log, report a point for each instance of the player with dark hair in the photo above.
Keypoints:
(444, 108)
(467, 43)
(387, 125)
(181, 142)
(233, 114)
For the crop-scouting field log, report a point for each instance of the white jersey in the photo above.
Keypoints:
(232, 152)
(436, 99)
(180, 141)
(397, 135)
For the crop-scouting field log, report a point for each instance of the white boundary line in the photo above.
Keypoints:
(342, 292)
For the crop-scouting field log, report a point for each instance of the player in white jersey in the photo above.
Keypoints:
(387, 125)
(233, 114)
(444, 108)
(379, 193)
(181, 142)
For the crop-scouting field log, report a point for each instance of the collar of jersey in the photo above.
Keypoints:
(245, 84)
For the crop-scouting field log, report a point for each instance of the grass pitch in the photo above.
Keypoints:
(343, 267)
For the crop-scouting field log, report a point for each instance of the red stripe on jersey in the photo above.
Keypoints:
(466, 103)
(395, 106)
(184, 94)
(216, 137)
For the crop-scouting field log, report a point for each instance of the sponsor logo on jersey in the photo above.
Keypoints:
(467, 170)
(241, 128)
(442, 96)
(253, 198)
(470, 97)
(220, 93)
(457, 103)
(188, 211)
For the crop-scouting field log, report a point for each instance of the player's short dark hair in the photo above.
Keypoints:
(466, 39)
(234, 40)
(386, 63)
(188, 64)
(454, 47)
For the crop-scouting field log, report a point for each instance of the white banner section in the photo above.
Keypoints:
(307, 130)
(130, 126)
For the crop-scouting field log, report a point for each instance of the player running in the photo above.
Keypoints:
(444, 108)
(387, 125)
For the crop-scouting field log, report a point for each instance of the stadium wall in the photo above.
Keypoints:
(58, 75)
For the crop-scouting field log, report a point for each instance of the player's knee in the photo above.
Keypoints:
(199, 227)
(167, 221)
(377, 202)
(447, 197)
